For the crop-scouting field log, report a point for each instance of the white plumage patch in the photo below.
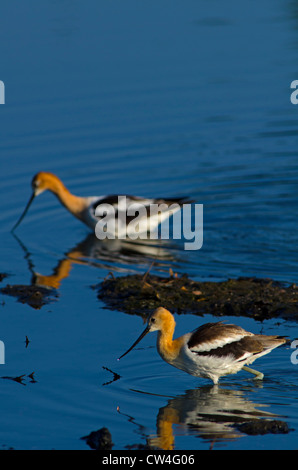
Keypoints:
(216, 343)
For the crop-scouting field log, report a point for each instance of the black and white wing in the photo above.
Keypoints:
(220, 340)
(149, 212)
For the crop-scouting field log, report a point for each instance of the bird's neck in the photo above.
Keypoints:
(74, 204)
(166, 346)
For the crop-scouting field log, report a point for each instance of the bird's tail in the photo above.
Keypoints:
(271, 342)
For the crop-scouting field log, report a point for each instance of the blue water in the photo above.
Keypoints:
(157, 99)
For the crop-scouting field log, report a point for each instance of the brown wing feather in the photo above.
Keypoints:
(214, 332)
(237, 349)
(222, 340)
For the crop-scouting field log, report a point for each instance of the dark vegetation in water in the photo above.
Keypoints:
(102, 440)
(252, 297)
(34, 296)
(99, 440)
(263, 426)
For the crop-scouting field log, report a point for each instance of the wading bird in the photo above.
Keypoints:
(212, 350)
(86, 208)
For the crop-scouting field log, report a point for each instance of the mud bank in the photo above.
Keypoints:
(252, 297)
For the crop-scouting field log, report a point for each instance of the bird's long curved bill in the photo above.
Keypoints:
(24, 213)
(136, 342)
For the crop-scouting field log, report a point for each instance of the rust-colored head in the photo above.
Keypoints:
(161, 319)
(43, 181)
(40, 183)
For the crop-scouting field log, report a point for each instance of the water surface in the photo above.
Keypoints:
(164, 99)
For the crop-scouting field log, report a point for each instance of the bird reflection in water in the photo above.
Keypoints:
(111, 255)
(210, 412)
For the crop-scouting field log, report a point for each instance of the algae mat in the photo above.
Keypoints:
(257, 298)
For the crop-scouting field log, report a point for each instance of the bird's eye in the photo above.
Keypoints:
(34, 184)
(152, 320)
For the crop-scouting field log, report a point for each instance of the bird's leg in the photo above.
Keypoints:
(258, 375)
